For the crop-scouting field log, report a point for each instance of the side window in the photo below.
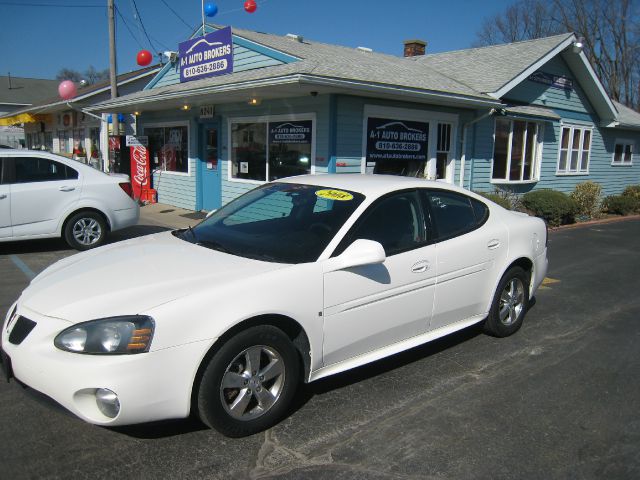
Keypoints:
(455, 214)
(396, 221)
(36, 169)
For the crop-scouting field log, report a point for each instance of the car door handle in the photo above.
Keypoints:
(3, 196)
(420, 267)
(493, 244)
(67, 189)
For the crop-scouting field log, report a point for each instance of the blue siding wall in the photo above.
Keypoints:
(246, 56)
(557, 98)
(575, 109)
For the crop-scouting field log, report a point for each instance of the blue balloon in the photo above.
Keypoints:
(210, 9)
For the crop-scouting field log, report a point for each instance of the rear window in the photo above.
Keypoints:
(36, 169)
(455, 214)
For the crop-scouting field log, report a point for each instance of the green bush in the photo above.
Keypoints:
(588, 198)
(632, 191)
(554, 207)
(621, 204)
(497, 198)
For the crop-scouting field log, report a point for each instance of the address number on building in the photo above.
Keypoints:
(205, 68)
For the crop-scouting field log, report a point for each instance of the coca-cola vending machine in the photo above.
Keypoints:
(140, 168)
(119, 158)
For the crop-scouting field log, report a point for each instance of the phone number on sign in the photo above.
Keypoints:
(205, 68)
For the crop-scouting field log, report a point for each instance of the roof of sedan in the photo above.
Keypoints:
(369, 185)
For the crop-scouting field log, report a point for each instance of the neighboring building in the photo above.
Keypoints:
(521, 116)
(64, 127)
(17, 93)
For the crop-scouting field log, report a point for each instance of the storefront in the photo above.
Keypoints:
(284, 106)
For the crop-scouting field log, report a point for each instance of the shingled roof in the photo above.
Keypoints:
(25, 91)
(488, 69)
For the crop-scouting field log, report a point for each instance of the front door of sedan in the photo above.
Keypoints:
(470, 247)
(5, 201)
(42, 190)
(369, 307)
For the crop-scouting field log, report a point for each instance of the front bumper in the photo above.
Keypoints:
(150, 386)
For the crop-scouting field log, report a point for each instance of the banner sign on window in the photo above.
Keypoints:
(206, 56)
(555, 81)
(396, 140)
(290, 132)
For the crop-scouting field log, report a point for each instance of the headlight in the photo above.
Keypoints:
(116, 335)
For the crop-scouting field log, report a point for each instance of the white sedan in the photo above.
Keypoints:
(294, 281)
(44, 195)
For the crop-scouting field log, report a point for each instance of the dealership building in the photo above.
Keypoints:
(234, 108)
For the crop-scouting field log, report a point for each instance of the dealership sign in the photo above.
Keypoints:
(206, 56)
(396, 140)
(555, 81)
(290, 132)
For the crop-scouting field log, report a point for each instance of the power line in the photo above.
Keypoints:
(57, 5)
(124, 21)
(142, 25)
(190, 27)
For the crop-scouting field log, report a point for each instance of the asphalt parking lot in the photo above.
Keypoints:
(560, 399)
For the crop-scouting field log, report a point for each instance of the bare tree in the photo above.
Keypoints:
(610, 28)
(90, 75)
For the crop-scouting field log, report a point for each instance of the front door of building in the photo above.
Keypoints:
(210, 167)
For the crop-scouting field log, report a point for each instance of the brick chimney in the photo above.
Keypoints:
(414, 48)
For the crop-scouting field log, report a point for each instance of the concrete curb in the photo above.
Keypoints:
(591, 223)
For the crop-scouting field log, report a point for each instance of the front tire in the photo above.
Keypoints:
(249, 382)
(85, 230)
(510, 304)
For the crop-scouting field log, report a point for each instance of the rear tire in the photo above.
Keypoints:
(510, 304)
(85, 230)
(249, 382)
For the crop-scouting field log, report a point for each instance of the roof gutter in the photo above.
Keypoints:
(292, 80)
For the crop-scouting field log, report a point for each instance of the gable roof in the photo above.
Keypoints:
(53, 102)
(319, 64)
(489, 69)
(497, 69)
(25, 91)
(627, 117)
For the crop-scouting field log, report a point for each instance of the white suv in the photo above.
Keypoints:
(44, 195)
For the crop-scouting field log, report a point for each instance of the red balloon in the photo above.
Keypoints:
(144, 58)
(67, 90)
(250, 6)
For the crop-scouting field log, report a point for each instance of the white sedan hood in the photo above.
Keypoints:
(131, 277)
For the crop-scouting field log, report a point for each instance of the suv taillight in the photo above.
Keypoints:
(126, 186)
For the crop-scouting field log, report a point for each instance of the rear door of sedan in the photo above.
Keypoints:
(471, 247)
(42, 190)
(367, 308)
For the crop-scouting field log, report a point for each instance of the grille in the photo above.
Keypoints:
(21, 329)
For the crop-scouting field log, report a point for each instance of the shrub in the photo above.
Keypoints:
(632, 191)
(554, 207)
(621, 204)
(497, 198)
(588, 198)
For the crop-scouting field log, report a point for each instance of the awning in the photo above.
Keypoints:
(532, 111)
(20, 118)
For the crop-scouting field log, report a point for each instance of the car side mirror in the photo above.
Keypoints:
(359, 253)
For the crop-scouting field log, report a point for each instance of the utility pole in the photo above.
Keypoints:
(112, 63)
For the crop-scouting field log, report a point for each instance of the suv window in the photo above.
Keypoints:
(396, 221)
(36, 169)
(455, 214)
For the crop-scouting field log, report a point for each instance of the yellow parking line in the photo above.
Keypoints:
(548, 281)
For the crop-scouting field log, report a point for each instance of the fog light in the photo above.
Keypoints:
(107, 402)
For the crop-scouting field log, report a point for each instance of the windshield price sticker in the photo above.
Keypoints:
(334, 195)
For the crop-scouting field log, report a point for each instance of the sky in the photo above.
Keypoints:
(43, 36)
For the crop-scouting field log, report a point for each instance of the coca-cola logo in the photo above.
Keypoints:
(139, 156)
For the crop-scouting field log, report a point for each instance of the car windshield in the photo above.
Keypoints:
(278, 222)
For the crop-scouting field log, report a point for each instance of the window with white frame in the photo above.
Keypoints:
(268, 149)
(169, 147)
(516, 150)
(575, 149)
(623, 153)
